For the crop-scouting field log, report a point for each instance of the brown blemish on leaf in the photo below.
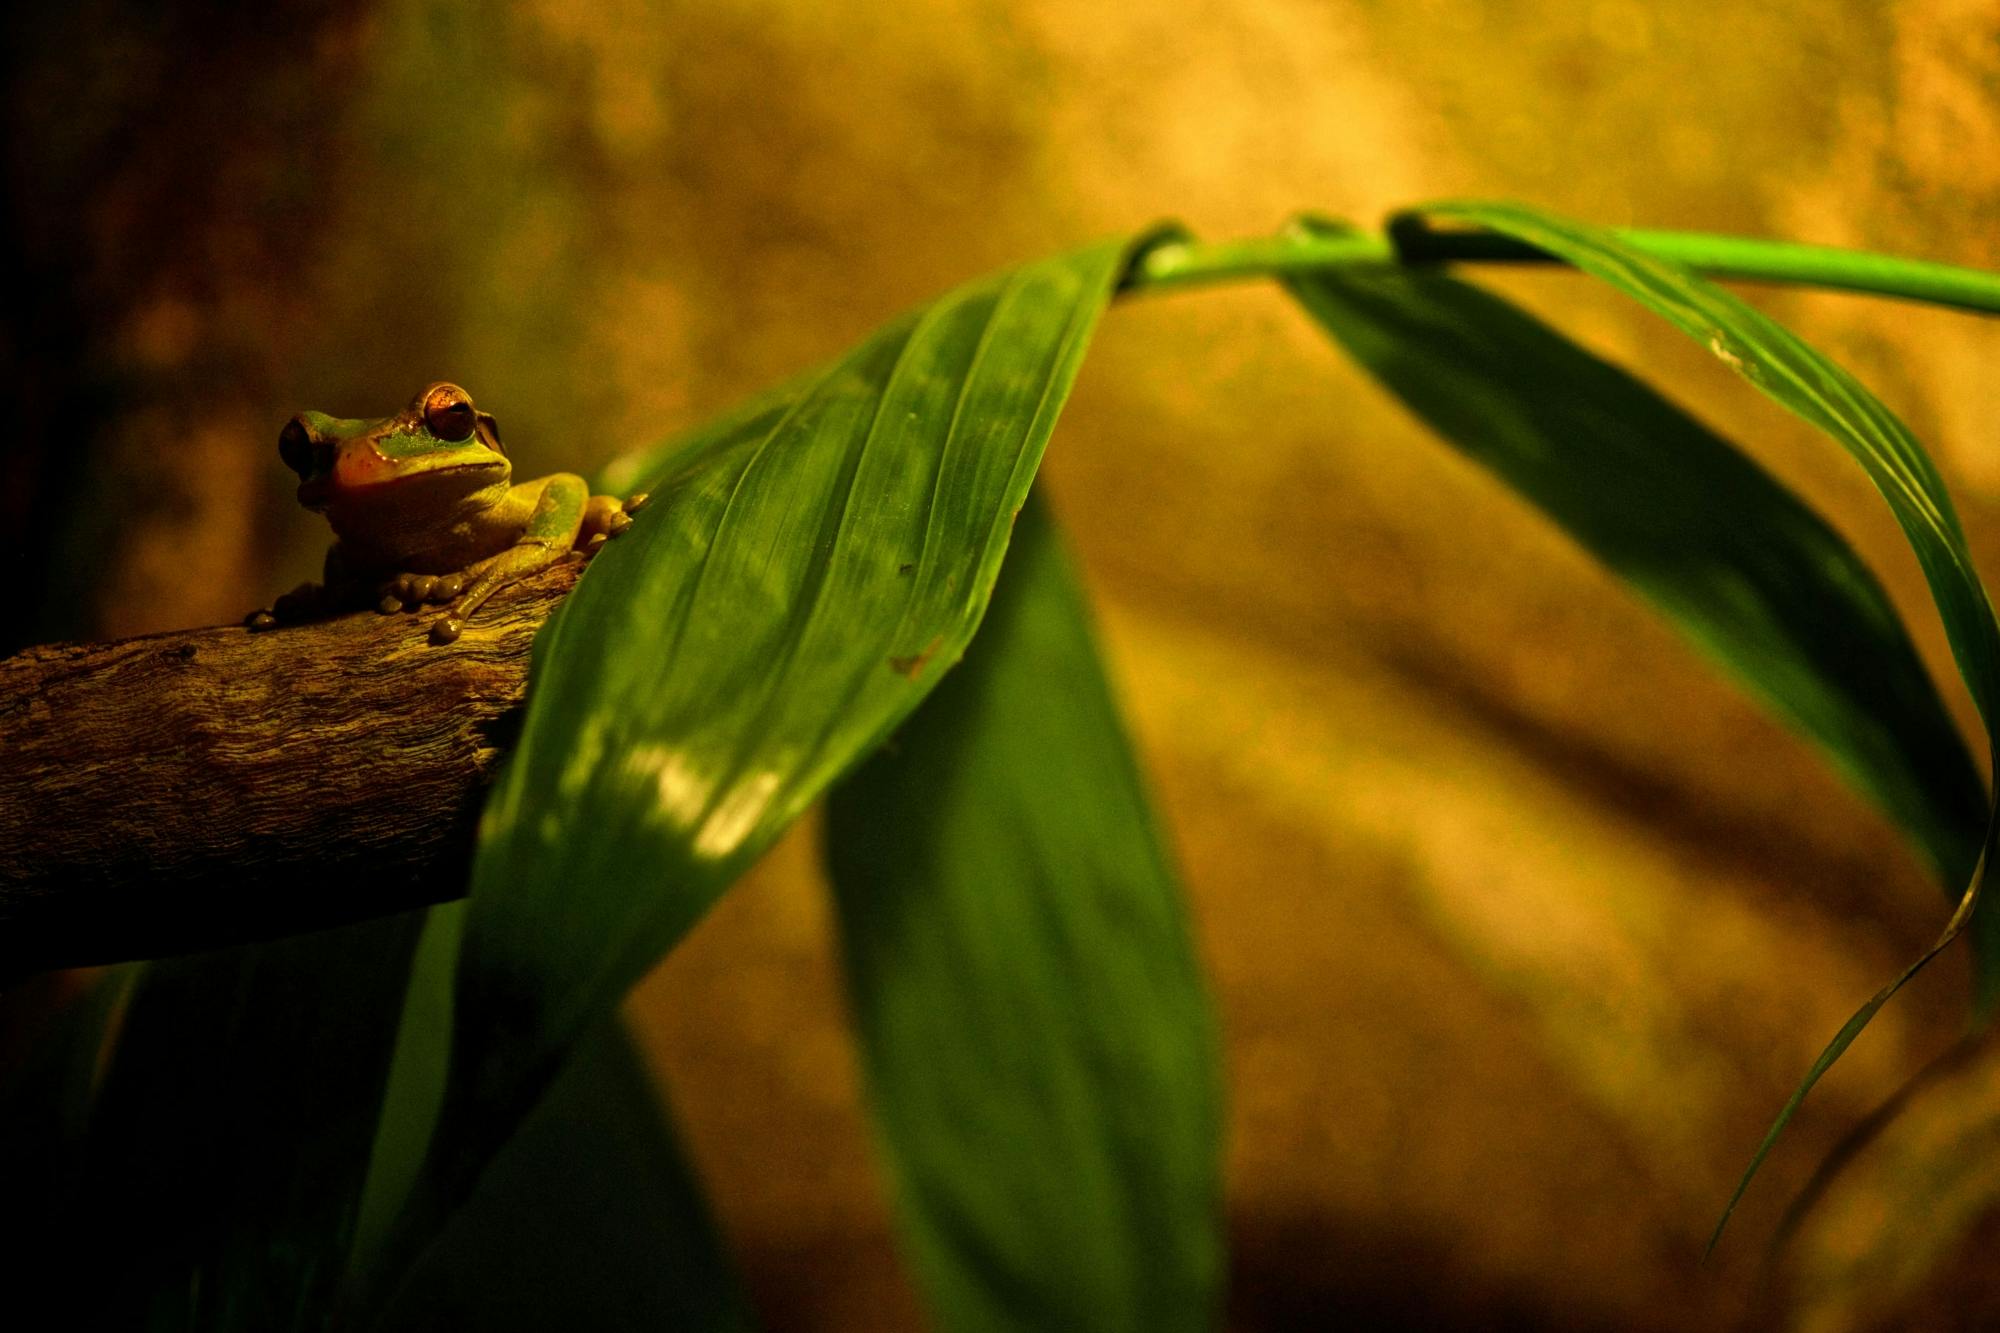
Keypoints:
(910, 667)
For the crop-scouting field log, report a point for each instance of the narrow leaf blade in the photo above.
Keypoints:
(1038, 1043)
(1754, 578)
(1797, 377)
(413, 1091)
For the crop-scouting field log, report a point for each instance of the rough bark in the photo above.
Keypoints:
(188, 790)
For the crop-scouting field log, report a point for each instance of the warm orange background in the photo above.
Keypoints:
(1522, 920)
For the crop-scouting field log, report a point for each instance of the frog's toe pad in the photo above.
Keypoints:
(447, 629)
(260, 620)
(410, 591)
(634, 503)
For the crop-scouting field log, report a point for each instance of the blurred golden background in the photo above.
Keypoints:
(1521, 920)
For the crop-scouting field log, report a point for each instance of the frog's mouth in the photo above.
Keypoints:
(368, 485)
(367, 473)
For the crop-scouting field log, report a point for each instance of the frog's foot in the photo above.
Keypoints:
(410, 591)
(605, 516)
(308, 601)
(489, 576)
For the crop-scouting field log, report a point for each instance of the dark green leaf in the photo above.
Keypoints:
(1032, 1019)
(589, 1219)
(1748, 573)
(800, 580)
(1798, 378)
(414, 1093)
(46, 1098)
(227, 1148)
(1793, 374)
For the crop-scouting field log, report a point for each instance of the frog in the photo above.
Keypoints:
(425, 511)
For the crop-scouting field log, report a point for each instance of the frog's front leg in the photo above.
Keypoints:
(551, 532)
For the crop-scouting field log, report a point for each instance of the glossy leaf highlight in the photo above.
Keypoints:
(802, 577)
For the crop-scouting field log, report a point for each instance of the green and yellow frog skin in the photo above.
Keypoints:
(426, 511)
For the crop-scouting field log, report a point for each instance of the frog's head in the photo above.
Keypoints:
(434, 457)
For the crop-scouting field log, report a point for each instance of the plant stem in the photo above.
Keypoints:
(1187, 264)
(1184, 264)
(1824, 266)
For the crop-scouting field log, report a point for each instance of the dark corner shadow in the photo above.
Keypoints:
(1311, 1271)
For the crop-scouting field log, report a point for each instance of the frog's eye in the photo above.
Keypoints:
(448, 413)
(296, 447)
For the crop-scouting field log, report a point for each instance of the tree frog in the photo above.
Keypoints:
(425, 510)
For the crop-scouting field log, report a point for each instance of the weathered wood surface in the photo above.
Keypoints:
(187, 790)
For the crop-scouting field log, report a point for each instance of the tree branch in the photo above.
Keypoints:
(190, 790)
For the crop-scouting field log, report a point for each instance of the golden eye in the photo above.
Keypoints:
(448, 413)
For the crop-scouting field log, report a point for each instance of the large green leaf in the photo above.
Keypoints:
(1031, 1015)
(1747, 572)
(1804, 381)
(802, 578)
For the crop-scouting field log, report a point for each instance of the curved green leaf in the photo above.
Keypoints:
(1754, 578)
(1797, 377)
(1031, 1015)
(801, 579)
